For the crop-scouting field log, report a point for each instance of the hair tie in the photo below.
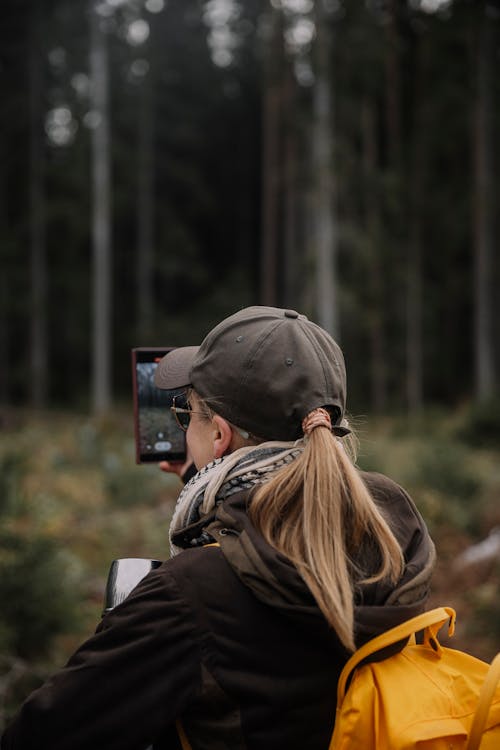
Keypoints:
(316, 418)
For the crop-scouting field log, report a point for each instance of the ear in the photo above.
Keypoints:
(222, 435)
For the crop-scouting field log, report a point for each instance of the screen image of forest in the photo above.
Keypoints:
(158, 430)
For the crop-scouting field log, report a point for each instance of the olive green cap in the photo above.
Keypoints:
(263, 369)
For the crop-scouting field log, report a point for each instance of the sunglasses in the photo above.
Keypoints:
(182, 414)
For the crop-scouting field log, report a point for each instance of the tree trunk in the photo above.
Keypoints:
(414, 348)
(101, 216)
(145, 241)
(484, 211)
(38, 262)
(393, 85)
(290, 195)
(373, 231)
(271, 162)
(325, 220)
(5, 301)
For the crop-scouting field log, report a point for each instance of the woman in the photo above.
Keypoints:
(285, 558)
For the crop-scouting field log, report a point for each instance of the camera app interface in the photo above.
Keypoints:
(158, 430)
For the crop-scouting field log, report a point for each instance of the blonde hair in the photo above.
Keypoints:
(318, 512)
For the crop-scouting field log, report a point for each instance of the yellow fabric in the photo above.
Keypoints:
(423, 698)
(486, 696)
(182, 735)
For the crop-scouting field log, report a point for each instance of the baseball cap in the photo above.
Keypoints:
(263, 369)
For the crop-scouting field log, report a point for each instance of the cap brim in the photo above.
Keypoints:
(174, 369)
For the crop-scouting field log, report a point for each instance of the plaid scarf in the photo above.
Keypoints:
(245, 468)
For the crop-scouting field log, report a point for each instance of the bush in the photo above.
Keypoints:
(127, 485)
(37, 588)
(450, 488)
(483, 601)
(444, 466)
(12, 465)
(37, 580)
(481, 424)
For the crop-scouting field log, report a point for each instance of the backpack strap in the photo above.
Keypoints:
(182, 735)
(483, 705)
(431, 622)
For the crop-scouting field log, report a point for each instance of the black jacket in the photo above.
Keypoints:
(229, 639)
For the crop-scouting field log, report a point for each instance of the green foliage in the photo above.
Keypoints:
(11, 466)
(449, 482)
(481, 424)
(444, 466)
(485, 601)
(127, 484)
(37, 580)
(71, 500)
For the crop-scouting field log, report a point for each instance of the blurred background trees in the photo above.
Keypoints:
(166, 162)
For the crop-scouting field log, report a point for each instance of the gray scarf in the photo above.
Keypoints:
(245, 468)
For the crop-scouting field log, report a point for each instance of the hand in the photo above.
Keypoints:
(176, 468)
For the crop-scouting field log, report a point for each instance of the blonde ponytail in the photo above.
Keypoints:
(317, 512)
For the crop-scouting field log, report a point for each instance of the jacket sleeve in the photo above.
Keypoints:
(124, 686)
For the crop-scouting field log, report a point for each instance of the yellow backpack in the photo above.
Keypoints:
(426, 697)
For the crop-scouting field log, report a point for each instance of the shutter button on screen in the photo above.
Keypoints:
(163, 445)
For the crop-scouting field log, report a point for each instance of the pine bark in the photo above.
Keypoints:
(101, 217)
(414, 336)
(290, 169)
(271, 161)
(38, 250)
(325, 219)
(5, 301)
(378, 344)
(145, 204)
(484, 211)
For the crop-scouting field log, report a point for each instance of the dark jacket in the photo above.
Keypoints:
(229, 639)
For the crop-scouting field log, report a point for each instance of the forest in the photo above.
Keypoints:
(167, 162)
(171, 162)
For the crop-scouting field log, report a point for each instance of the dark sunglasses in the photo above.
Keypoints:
(183, 416)
(182, 413)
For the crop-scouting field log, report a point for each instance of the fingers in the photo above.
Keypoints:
(176, 468)
(171, 468)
